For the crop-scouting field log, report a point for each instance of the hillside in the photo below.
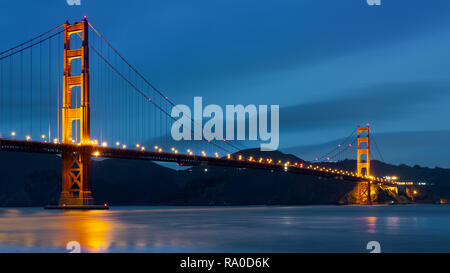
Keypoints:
(34, 180)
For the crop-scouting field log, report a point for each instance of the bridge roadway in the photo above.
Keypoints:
(12, 145)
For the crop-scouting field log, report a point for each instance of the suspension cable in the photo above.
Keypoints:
(24, 43)
(141, 92)
(145, 80)
(343, 150)
(376, 147)
(30, 46)
(337, 147)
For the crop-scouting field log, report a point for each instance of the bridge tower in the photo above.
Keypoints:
(363, 166)
(76, 189)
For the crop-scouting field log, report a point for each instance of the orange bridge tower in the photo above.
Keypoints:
(363, 164)
(76, 189)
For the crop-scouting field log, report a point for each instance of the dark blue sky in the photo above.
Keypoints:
(330, 65)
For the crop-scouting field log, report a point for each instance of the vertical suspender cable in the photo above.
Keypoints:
(49, 87)
(1, 98)
(21, 94)
(57, 89)
(40, 88)
(31, 92)
(10, 92)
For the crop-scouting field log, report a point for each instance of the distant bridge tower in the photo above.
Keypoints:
(76, 189)
(363, 165)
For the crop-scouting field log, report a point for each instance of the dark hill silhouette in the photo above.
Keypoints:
(35, 180)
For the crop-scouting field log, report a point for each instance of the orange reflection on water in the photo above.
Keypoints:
(392, 222)
(371, 223)
(91, 229)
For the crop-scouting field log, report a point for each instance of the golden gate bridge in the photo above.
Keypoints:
(90, 101)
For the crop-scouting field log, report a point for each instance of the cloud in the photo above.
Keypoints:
(377, 102)
(425, 148)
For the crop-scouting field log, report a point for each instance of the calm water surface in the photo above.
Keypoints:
(412, 228)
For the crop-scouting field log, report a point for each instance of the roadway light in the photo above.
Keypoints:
(137, 145)
(96, 153)
(117, 143)
(216, 154)
(203, 153)
(43, 136)
(142, 148)
(124, 146)
(104, 144)
(28, 138)
(55, 140)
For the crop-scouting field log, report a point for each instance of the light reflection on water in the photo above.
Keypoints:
(228, 229)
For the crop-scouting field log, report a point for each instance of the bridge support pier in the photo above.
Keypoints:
(364, 193)
(76, 189)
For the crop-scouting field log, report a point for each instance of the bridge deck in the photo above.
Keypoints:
(108, 152)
